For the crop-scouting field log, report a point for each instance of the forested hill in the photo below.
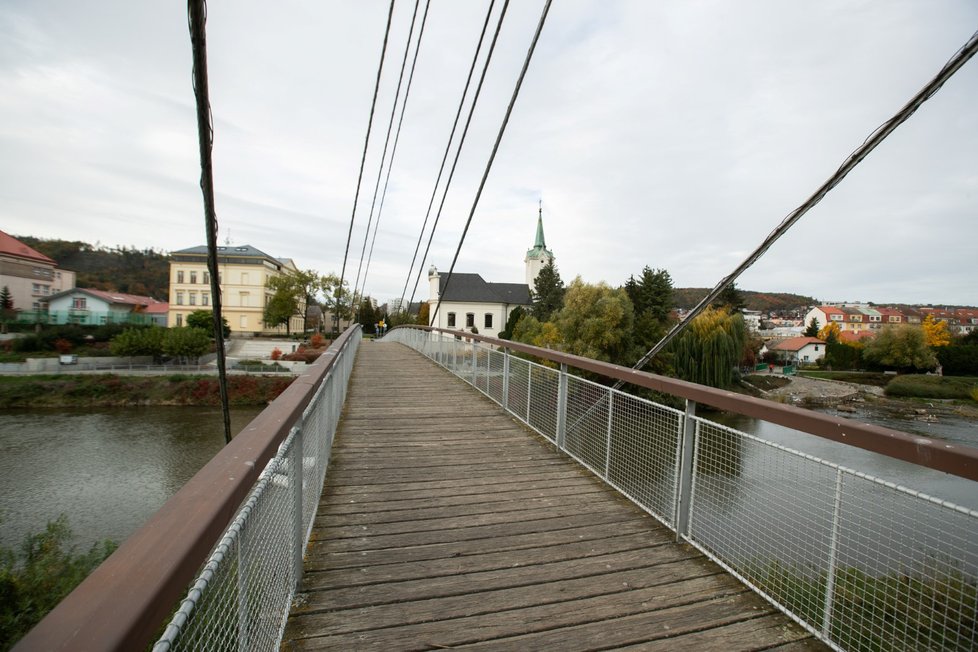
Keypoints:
(120, 269)
(686, 298)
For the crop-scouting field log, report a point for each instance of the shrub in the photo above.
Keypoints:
(41, 575)
(940, 387)
(61, 345)
(276, 353)
(317, 341)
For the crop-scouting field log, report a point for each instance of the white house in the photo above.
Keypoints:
(798, 350)
(94, 307)
(469, 302)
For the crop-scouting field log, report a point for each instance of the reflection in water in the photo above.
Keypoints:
(108, 469)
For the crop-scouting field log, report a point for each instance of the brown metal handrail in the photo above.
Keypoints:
(940, 455)
(124, 602)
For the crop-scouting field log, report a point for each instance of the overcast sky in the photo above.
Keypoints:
(671, 134)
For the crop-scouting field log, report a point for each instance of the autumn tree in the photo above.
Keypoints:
(830, 333)
(548, 292)
(424, 314)
(936, 332)
(711, 347)
(597, 322)
(813, 328)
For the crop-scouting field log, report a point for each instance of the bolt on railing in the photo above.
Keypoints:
(860, 562)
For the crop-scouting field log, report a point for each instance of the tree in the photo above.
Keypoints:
(280, 308)
(830, 333)
(813, 328)
(6, 307)
(139, 341)
(515, 315)
(652, 293)
(532, 331)
(730, 297)
(186, 343)
(711, 347)
(936, 333)
(205, 319)
(368, 315)
(335, 298)
(903, 348)
(597, 322)
(548, 292)
(424, 314)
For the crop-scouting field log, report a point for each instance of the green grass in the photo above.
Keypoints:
(939, 387)
(931, 609)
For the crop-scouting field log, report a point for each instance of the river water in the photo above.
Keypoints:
(108, 469)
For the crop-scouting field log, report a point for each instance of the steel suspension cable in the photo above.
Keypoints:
(461, 142)
(961, 57)
(448, 147)
(383, 156)
(492, 156)
(397, 138)
(363, 160)
(197, 18)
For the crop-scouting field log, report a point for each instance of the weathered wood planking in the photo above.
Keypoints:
(445, 523)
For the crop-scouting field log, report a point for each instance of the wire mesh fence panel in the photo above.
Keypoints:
(519, 375)
(480, 371)
(494, 375)
(906, 570)
(586, 434)
(542, 400)
(641, 458)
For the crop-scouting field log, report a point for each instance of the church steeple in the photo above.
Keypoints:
(539, 255)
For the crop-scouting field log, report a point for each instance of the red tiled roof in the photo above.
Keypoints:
(855, 336)
(13, 247)
(796, 343)
(158, 308)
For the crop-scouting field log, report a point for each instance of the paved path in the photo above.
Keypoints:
(445, 524)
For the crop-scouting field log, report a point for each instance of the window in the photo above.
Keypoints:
(488, 322)
(207, 277)
(244, 278)
(243, 321)
(205, 299)
(470, 320)
(193, 277)
(179, 319)
(180, 276)
(193, 298)
(451, 320)
(179, 298)
(79, 303)
(245, 299)
(816, 348)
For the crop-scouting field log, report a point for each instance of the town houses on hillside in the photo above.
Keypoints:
(863, 318)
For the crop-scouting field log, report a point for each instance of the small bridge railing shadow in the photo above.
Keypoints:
(862, 563)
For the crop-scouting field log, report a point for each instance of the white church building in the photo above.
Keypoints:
(473, 304)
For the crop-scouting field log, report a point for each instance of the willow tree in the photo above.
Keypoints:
(710, 348)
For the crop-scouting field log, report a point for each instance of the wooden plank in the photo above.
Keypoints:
(445, 522)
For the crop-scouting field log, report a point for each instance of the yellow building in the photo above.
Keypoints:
(243, 276)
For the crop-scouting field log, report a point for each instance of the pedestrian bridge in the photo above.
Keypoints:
(532, 507)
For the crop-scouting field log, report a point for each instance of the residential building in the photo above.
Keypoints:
(96, 307)
(798, 350)
(243, 275)
(30, 276)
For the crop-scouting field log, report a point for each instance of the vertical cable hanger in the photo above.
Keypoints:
(197, 17)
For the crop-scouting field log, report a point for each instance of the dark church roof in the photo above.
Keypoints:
(473, 288)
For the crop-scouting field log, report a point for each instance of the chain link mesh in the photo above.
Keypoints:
(862, 563)
(241, 599)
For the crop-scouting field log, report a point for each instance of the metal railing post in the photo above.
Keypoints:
(475, 363)
(506, 379)
(297, 501)
(685, 479)
(562, 407)
(833, 559)
(242, 588)
(607, 444)
(529, 389)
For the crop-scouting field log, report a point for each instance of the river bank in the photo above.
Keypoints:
(109, 390)
(851, 399)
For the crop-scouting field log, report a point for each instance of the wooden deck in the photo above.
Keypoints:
(446, 524)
